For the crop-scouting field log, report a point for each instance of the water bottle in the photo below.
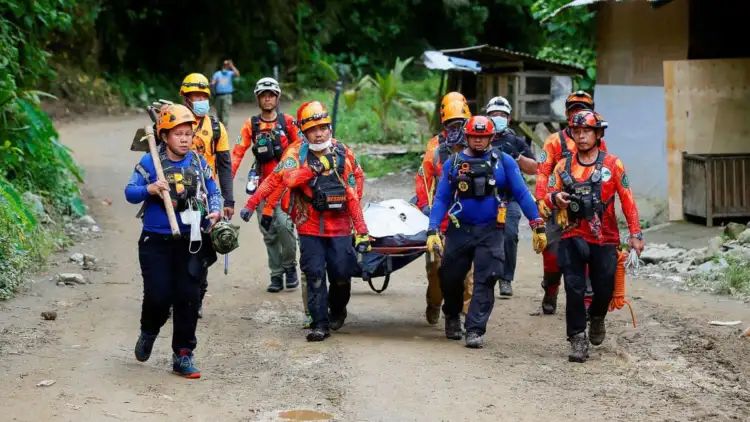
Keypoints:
(252, 182)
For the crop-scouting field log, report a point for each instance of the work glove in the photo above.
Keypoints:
(562, 218)
(434, 245)
(538, 236)
(362, 243)
(544, 210)
(426, 210)
(246, 214)
(266, 222)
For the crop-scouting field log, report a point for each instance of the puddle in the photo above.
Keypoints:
(305, 415)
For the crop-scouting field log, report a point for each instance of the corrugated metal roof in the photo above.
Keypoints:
(576, 3)
(487, 53)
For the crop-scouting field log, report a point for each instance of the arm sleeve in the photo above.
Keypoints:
(545, 168)
(293, 132)
(224, 170)
(136, 191)
(442, 199)
(518, 187)
(214, 195)
(425, 180)
(238, 152)
(273, 199)
(297, 177)
(554, 184)
(269, 185)
(353, 205)
(525, 148)
(629, 208)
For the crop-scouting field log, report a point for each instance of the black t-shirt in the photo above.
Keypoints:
(512, 144)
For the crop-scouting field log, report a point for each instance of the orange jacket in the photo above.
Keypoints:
(429, 174)
(552, 154)
(272, 189)
(614, 180)
(291, 136)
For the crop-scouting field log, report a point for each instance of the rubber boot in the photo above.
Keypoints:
(551, 286)
(474, 340)
(453, 328)
(597, 330)
(290, 278)
(277, 284)
(144, 345)
(579, 348)
(336, 321)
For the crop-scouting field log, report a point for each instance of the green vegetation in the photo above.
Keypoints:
(381, 166)
(32, 159)
(735, 279)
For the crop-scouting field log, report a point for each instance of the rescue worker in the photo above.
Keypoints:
(583, 188)
(505, 139)
(210, 141)
(268, 135)
(173, 268)
(468, 192)
(325, 208)
(453, 115)
(221, 83)
(556, 147)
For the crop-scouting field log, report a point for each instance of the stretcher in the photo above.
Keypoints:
(399, 231)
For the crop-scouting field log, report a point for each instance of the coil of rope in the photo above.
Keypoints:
(626, 262)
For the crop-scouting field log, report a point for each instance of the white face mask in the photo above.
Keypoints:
(320, 147)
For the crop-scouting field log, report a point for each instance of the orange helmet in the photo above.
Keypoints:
(311, 114)
(479, 126)
(587, 118)
(195, 82)
(173, 115)
(454, 110)
(580, 99)
(451, 97)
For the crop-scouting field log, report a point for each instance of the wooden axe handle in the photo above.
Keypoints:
(160, 176)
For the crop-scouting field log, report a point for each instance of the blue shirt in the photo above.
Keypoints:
(155, 216)
(480, 211)
(223, 81)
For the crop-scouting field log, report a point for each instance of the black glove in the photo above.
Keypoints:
(245, 214)
(266, 222)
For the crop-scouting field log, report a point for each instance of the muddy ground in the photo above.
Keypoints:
(385, 364)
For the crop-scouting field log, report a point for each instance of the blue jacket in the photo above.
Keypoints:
(155, 216)
(480, 211)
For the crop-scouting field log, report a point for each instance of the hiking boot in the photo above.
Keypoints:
(506, 290)
(432, 314)
(549, 301)
(277, 284)
(453, 328)
(308, 321)
(200, 311)
(597, 330)
(579, 348)
(336, 321)
(184, 365)
(318, 334)
(144, 345)
(290, 278)
(474, 340)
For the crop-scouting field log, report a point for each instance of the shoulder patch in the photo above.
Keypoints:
(625, 181)
(606, 174)
(290, 163)
(542, 157)
(552, 181)
(352, 180)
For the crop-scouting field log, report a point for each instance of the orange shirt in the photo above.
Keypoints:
(287, 138)
(614, 181)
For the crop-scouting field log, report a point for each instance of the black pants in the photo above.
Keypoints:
(573, 255)
(335, 257)
(171, 279)
(482, 246)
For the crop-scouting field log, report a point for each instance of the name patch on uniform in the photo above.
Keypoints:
(606, 174)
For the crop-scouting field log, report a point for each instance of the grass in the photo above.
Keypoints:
(381, 166)
(735, 279)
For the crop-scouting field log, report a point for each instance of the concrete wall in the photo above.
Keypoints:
(637, 134)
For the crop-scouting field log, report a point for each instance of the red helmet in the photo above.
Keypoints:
(479, 126)
(587, 118)
(579, 99)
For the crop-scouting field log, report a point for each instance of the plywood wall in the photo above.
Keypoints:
(707, 104)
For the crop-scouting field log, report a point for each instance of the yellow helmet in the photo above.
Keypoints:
(311, 114)
(195, 82)
(451, 97)
(173, 115)
(454, 110)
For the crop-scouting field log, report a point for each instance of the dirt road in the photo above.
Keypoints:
(385, 364)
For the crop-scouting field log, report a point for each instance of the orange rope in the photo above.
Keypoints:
(618, 296)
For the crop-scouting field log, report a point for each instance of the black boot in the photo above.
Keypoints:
(453, 328)
(277, 284)
(551, 285)
(318, 334)
(579, 348)
(506, 290)
(597, 330)
(290, 278)
(336, 320)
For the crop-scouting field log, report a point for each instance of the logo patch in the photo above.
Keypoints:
(606, 174)
(625, 181)
(542, 157)
(552, 181)
(289, 163)
(463, 186)
(352, 180)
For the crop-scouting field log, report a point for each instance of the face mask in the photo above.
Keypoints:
(320, 147)
(200, 108)
(500, 122)
(454, 136)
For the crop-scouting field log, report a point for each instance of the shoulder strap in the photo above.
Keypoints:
(215, 130)
(281, 121)
(563, 144)
(255, 126)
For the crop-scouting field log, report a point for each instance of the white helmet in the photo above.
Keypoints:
(267, 84)
(499, 104)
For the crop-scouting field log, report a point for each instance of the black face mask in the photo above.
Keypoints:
(454, 136)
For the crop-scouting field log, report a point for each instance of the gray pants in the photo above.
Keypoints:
(512, 219)
(223, 105)
(281, 242)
